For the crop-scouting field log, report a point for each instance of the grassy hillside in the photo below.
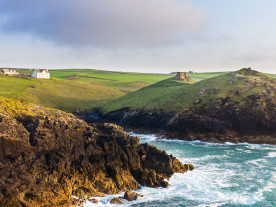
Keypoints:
(168, 96)
(202, 76)
(69, 89)
(11, 87)
(62, 94)
(125, 82)
(271, 75)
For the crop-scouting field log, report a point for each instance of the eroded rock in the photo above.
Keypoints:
(116, 201)
(93, 200)
(131, 196)
(47, 156)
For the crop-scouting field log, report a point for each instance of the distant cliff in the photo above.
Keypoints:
(46, 156)
(235, 107)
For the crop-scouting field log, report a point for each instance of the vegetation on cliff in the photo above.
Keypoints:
(47, 155)
(72, 90)
(61, 94)
(124, 81)
(170, 96)
(238, 106)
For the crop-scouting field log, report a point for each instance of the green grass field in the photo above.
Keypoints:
(27, 71)
(202, 76)
(56, 93)
(271, 75)
(126, 82)
(69, 89)
(170, 96)
(12, 86)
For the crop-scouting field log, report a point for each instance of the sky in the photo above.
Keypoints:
(154, 36)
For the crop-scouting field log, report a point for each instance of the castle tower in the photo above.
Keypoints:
(181, 76)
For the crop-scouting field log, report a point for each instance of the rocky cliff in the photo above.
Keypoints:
(46, 156)
(236, 107)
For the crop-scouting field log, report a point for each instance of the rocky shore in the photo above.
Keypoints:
(47, 156)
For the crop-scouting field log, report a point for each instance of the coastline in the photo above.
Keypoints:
(185, 126)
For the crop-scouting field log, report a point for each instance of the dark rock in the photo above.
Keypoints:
(131, 196)
(164, 184)
(116, 201)
(47, 156)
(93, 200)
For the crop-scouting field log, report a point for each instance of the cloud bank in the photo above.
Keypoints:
(102, 23)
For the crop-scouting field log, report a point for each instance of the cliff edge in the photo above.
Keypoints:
(47, 156)
(235, 107)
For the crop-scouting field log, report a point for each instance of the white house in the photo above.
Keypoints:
(9, 72)
(41, 73)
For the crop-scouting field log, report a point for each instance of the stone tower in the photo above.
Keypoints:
(181, 76)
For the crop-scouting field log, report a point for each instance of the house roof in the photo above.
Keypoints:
(8, 70)
(42, 70)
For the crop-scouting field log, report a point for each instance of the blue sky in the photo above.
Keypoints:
(139, 35)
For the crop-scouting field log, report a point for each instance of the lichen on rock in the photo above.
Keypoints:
(131, 196)
(47, 156)
(116, 201)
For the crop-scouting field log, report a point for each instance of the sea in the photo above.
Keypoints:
(225, 175)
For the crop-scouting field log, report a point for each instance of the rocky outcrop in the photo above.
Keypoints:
(131, 196)
(238, 116)
(116, 201)
(46, 156)
(93, 200)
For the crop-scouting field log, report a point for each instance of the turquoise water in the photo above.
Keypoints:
(225, 175)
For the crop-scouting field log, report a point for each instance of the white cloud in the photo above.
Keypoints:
(103, 23)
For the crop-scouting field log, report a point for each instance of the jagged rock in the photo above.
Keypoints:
(47, 156)
(93, 200)
(164, 184)
(116, 201)
(131, 196)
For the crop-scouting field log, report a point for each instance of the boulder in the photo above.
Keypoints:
(93, 200)
(116, 201)
(131, 196)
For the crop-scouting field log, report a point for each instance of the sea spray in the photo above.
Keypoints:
(225, 175)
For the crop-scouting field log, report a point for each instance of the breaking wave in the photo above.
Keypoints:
(225, 175)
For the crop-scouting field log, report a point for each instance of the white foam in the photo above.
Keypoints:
(271, 154)
(212, 183)
(257, 162)
(103, 201)
(145, 137)
(212, 205)
(153, 137)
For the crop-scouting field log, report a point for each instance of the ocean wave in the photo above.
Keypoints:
(227, 174)
(212, 187)
(153, 137)
(271, 154)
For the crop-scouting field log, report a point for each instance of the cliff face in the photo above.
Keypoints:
(46, 156)
(245, 112)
